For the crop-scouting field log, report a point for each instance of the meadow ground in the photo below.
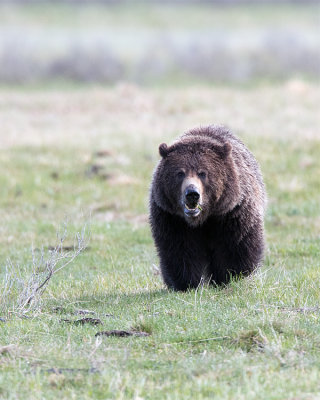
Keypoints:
(69, 152)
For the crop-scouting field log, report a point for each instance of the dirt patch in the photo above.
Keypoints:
(83, 321)
(59, 371)
(121, 333)
(250, 340)
(84, 312)
(103, 153)
(7, 350)
(101, 172)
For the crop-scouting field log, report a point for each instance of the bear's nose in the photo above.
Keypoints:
(192, 195)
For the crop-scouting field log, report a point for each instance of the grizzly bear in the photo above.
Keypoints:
(207, 204)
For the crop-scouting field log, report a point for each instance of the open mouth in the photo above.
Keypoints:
(192, 211)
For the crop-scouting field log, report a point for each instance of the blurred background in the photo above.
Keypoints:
(158, 42)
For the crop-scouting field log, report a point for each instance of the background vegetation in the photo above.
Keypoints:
(68, 148)
(154, 43)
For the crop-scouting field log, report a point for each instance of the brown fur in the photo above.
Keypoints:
(207, 206)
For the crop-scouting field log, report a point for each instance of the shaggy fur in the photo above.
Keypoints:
(217, 230)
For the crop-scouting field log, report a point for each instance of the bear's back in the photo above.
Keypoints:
(217, 134)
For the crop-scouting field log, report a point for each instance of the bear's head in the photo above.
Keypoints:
(196, 178)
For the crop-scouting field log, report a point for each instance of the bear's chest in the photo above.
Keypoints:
(212, 234)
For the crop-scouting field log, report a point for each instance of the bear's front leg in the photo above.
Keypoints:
(181, 259)
(178, 274)
(235, 254)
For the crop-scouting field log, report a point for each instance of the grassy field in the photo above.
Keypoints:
(66, 153)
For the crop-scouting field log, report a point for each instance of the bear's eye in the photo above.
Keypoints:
(202, 175)
(180, 175)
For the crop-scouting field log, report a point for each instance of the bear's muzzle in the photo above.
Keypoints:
(191, 196)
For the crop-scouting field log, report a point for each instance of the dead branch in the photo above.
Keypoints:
(21, 290)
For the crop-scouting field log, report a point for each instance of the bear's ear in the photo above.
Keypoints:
(163, 150)
(224, 151)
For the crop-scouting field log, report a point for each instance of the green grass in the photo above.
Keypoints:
(257, 338)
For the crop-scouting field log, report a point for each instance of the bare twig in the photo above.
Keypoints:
(22, 290)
